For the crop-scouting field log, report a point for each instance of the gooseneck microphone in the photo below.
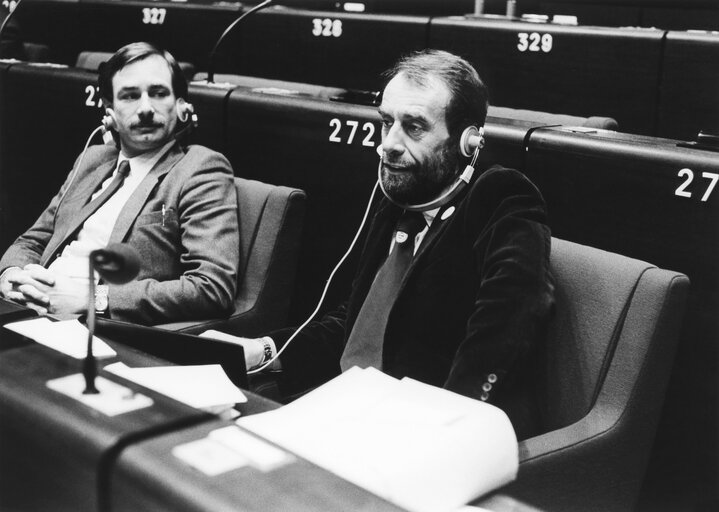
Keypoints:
(211, 59)
(116, 264)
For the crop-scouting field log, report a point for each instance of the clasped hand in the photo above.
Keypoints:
(45, 292)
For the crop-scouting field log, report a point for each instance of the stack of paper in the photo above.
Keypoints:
(67, 336)
(203, 387)
(418, 446)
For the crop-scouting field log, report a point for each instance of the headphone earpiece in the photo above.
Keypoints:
(472, 140)
(108, 121)
(186, 112)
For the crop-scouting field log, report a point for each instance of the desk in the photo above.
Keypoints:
(59, 455)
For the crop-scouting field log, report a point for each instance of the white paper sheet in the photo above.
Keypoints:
(66, 336)
(202, 386)
(421, 447)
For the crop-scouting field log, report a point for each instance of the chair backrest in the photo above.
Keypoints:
(270, 220)
(609, 355)
(594, 291)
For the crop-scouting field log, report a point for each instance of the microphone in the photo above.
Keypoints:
(211, 59)
(116, 264)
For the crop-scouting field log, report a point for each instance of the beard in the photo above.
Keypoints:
(425, 180)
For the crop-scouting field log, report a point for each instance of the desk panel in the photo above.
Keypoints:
(188, 31)
(54, 451)
(47, 115)
(148, 477)
(690, 85)
(582, 71)
(322, 47)
(653, 200)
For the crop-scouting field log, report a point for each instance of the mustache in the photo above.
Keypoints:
(147, 124)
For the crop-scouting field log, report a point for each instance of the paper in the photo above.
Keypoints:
(66, 336)
(209, 456)
(112, 399)
(263, 455)
(418, 446)
(203, 386)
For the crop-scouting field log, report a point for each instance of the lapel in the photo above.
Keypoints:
(139, 197)
(79, 196)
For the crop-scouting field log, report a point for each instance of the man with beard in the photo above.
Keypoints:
(458, 295)
(165, 200)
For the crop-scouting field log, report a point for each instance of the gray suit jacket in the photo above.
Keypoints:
(189, 262)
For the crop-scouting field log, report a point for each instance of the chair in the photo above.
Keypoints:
(270, 220)
(610, 352)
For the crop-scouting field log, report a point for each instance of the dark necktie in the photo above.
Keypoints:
(364, 346)
(122, 172)
(86, 211)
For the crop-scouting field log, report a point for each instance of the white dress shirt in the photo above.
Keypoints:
(95, 232)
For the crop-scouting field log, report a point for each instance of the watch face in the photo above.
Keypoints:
(100, 302)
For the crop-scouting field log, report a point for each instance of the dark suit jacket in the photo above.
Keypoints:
(188, 262)
(472, 309)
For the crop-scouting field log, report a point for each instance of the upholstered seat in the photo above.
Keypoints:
(609, 356)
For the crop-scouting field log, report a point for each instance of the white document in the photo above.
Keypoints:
(202, 386)
(66, 336)
(421, 447)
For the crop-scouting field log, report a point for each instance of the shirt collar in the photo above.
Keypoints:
(146, 160)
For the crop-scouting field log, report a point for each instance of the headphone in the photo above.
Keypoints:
(470, 144)
(185, 114)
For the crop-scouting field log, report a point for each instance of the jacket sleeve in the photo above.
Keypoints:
(515, 297)
(208, 254)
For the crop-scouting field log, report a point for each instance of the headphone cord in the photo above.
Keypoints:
(75, 170)
(327, 285)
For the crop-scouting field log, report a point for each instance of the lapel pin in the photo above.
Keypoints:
(448, 213)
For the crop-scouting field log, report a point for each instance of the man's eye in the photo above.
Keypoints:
(386, 123)
(414, 129)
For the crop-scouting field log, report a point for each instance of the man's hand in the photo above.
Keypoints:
(68, 296)
(41, 290)
(28, 286)
(254, 347)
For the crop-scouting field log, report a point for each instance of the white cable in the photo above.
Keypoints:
(327, 285)
(74, 171)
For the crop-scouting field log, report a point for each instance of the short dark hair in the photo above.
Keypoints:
(469, 95)
(134, 52)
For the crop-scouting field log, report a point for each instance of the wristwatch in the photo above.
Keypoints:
(101, 300)
(267, 355)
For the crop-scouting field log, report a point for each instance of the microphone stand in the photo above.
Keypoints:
(211, 60)
(89, 367)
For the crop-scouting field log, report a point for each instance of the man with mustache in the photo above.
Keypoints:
(175, 205)
(467, 309)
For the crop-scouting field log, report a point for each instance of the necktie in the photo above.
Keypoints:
(122, 172)
(364, 346)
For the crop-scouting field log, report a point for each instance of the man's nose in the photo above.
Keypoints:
(392, 141)
(145, 107)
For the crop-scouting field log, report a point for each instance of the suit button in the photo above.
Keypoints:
(491, 378)
(484, 397)
(487, 387)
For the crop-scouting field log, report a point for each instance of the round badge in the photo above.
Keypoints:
(447, 213)
(401, 237)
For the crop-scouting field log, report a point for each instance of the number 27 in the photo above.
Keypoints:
(688, 176)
